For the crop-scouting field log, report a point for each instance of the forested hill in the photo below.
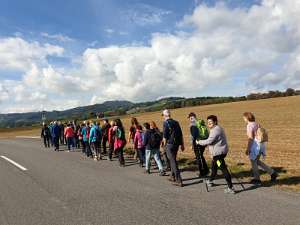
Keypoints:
(118, 108)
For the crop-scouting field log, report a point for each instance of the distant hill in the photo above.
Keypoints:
(118, 108)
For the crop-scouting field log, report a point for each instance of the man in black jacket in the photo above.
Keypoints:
(172, 140)
(105, 130)
(45, 134)
(198, 149)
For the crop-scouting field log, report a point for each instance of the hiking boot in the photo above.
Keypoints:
(209, 183)
(256, 182)
(274, 177)
(178, 183)
(229, 191)
(171, 179)
(162, 173)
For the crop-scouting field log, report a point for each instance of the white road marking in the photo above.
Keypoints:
(14, 163)
(29, 137)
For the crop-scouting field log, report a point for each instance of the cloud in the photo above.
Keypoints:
(57, 37)
(18, 54)
(146, 15)
(213, 48)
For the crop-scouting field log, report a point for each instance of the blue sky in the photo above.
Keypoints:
(59, 54)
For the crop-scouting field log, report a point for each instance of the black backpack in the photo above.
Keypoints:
(175, 133)
(98, 135)
(155, 138)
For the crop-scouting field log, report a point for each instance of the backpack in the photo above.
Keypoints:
(203, 131)
(155, 139)
(98, 134)
(262, 135)
(175, 133)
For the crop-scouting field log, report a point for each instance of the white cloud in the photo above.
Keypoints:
(18, 54)
(145, 15)
(57, 37)
(259, 46)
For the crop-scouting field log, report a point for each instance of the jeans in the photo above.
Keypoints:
(219, 162)
(166, 160)
(83, 146)
(172, 151)
(156, 155)
(110, 150)
(46, 141)
(202, 165)
(70, 142)
(104, 141)
(95, 149)
(141, 155)
(119, 151)
(56, 143)
(88, 151)
(257, 163)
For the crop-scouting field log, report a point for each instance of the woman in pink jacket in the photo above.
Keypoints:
(138, 144)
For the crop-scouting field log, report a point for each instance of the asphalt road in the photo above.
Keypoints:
(66, 188)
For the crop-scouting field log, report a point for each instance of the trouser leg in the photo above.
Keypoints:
(255, 170)
(265, 167)
(156, 154)
(172, 155)
(121, 156)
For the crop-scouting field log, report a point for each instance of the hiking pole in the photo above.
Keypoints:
(240, 183)
(206, 185)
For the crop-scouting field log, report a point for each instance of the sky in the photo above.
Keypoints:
(56, 54)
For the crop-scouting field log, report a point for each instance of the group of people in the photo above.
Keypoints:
(148, 141)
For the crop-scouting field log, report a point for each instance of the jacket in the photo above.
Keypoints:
(138, 139)
(69, 132)
(217, 141)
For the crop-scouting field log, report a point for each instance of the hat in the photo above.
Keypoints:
(191, 114)
(166, 112)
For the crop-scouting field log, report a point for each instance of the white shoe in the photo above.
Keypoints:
(209, 183)
(229, 191)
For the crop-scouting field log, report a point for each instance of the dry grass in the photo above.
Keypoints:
(280, 116)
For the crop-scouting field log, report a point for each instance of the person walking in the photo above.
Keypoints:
(139, 145)
(198, 131)
(95, 140)
(55, 135)
(45, 134)
(85, 137)
(172, 140)
(69, 133)
(120, 141)
(256, 148)
(131, 135)
(105, 130)
(218, 148)
(80, 138)
(152, 142)
(111, 140)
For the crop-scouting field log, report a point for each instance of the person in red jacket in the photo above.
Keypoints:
(69, 133)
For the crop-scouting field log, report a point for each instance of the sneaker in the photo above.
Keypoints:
(209, 183)
(229, 191)
(255, 182)
(274, 177)
(178, 183)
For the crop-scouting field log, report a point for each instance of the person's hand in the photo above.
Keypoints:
(182, 148)
(247, 152)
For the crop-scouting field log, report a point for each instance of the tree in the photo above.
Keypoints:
(290, 92)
